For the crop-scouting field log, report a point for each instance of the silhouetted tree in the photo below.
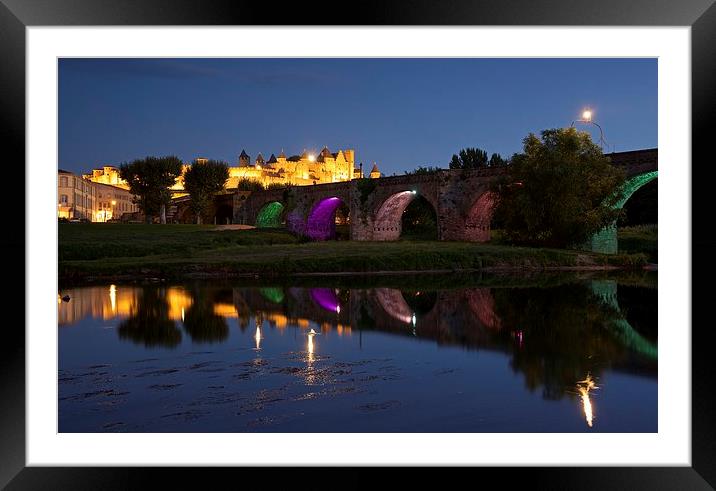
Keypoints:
(201, 181)
(149, 179)
(469, 158)
(420, 170)
(496, 160)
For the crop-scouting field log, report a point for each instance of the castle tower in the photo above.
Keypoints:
(259, 161)
(244, 159)
(272, 160)
(325, 155)
(374, 172)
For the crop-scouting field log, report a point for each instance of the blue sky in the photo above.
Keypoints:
(400, 113)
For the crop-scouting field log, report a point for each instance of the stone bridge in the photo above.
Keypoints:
(462, 201)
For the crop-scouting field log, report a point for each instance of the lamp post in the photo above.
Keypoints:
(587, 119)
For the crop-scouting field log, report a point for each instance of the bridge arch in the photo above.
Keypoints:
(224, 214)
(479, 217)
(270, 215)
(387, 223)
(321, 221)
(605, 241)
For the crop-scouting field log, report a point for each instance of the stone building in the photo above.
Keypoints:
(81, 198)
(299, 170)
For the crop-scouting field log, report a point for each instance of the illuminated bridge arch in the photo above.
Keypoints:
(605, 241)
(321, 222)
(270, 215)
(477, 224)
(387, 224)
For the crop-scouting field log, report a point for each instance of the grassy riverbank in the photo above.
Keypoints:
(179, 251)
(640, 238)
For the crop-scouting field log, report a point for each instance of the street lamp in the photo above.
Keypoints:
(587, 119)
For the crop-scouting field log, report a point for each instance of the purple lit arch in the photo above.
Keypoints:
(321, 223)
(326, 298)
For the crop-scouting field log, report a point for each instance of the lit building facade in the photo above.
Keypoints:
(299, 170)
(113, 202)
(76, 197)
(80, 198)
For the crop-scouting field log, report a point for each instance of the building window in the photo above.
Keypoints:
(63, 181)
(63, 199)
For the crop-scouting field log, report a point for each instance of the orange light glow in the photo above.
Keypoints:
(584, 386)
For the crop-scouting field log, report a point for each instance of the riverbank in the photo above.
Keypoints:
(135, 251)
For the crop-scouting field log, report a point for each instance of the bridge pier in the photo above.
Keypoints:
(605, 241)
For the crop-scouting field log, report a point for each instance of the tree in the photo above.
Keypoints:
(469, 158)
(150, 179)
(420, 170)
(247, 184)
(559, 191)
(496, 160)
(201, 181)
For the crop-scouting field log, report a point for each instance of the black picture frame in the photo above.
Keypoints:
(700, 15)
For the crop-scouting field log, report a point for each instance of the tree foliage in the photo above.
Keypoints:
(247, 184)
(496, 160)
(469, 158)
(201, 181)
(149, 179)
(420, 170)
(476, 158)
(559, 191)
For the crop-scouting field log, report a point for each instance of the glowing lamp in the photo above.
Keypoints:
(587, 115)
(311, 157)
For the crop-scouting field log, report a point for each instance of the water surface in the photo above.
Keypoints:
(566, 355)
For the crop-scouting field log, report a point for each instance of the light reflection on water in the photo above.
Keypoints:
(476, 351)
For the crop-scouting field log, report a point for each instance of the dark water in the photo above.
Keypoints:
(495, 355)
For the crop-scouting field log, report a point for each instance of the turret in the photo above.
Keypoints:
(374, 172)
(244, 159)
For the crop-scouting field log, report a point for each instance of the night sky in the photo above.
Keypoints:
(400, 113)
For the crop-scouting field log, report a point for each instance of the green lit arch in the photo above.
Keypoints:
(272, 294)
(632, 185)
(605, 241)
(270, 215)
(606, 290)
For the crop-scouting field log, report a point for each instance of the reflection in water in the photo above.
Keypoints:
(257, 337)
(149, 323)
(552, 335)
(393, 303)
(113, 297)
(326, 298)
(584, 386)
(310, 377)
(201, 321)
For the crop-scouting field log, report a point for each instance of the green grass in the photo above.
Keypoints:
(640, 238)
(87, 241)
(175, 251)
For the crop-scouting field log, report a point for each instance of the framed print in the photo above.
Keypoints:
(421, 235)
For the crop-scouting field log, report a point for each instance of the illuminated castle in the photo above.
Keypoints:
(304, 169)
(301, 170)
